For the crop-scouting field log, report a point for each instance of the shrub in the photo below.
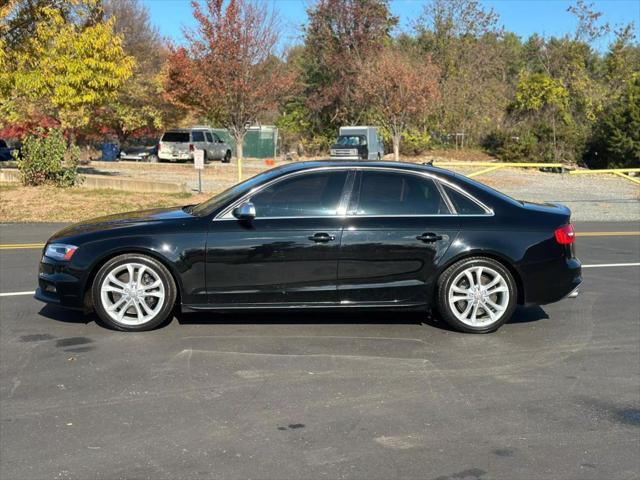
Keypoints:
(46, 159)
(513, 146)
(317, 145)
(415, 142)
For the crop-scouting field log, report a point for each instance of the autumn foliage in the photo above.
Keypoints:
(227, 70)
(399, 90)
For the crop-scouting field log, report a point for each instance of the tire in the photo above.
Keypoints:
(206, 158)
(132, 316)
(469, 307)
(227, 157)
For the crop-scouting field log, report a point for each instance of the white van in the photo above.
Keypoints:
(358, 143)
(177, 145)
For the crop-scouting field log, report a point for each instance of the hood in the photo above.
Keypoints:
(121, 220)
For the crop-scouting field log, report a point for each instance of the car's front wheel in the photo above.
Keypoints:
(133, 292)
(476, 295)
(227, 157)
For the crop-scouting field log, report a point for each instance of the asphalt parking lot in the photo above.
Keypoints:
(554, 394)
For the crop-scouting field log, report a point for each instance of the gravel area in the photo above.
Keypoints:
(590, 197)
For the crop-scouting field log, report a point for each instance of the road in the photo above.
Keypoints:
(554, 394)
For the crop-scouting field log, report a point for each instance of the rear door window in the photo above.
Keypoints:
(390, 194)
(197, 136)
(176, 137)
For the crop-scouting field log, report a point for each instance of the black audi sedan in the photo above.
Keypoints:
(321, 235)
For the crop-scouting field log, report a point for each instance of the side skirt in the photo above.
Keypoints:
(186, 308)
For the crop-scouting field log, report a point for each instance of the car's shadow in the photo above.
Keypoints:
(66, 315)
(521, 315)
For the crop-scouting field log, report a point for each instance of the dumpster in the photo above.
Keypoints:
(110, 152)
(260, 141)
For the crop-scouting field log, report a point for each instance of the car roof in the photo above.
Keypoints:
(411, 167)
(186, 130)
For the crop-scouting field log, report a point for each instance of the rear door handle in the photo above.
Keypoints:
(322, 237)
(429, 237)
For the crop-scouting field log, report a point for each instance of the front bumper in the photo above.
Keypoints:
(59, 284)
(346, 157)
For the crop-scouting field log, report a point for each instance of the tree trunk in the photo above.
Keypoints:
(555, 145)
(396, 146)
(239, 141)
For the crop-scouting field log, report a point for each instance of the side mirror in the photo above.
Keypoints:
(246, 211)
(220, 140)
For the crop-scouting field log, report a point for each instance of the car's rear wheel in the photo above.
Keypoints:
(227, 157)
(133, 292)
(476, 295)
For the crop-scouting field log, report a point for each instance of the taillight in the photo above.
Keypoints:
(565, 235)
(191, 147)
(159, 146)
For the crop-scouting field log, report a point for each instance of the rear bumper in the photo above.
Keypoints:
(175, 158)
(549, 282)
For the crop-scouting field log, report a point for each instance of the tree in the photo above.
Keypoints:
(340, 38)
(138, 105)
(465, 41)
(539, 93)
(228, 72)
(616, 140)
(69, 64)
(399, 90)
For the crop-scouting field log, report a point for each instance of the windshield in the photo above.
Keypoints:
(220, 200)
(176, 137)
(351, 140)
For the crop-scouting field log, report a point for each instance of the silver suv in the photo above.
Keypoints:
(177, 145)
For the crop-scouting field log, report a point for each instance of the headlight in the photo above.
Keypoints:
(353, 151)
(333, 152)
(60, 251)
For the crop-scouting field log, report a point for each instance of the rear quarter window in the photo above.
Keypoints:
(463, 204)
(176, 137)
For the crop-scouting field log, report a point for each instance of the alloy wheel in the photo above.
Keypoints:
(132, 294)
(478, 296)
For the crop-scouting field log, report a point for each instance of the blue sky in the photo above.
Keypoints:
(524, 17)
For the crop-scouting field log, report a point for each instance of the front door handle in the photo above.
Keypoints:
(322, 237)
(429, 237)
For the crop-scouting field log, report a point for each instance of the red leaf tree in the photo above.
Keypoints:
(400, 91)
(227, 72)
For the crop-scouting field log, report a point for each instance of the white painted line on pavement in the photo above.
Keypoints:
(15, 294)
(603, 265)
